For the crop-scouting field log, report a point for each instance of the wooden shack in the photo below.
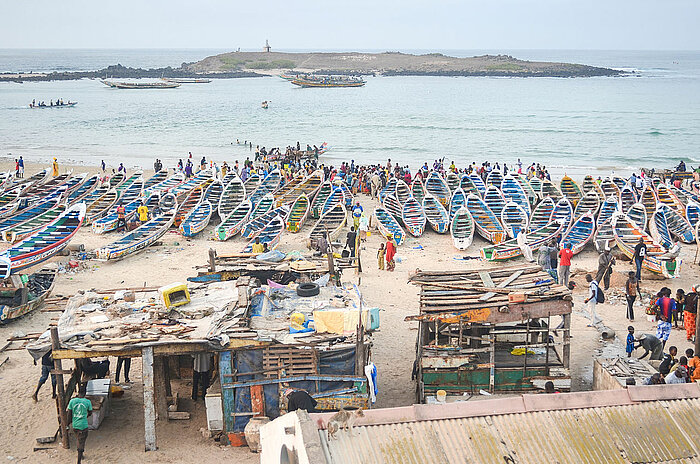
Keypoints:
(499, 329)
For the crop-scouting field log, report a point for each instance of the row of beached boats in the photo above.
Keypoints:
(518, 215)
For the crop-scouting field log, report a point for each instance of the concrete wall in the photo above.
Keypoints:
(602, 379)
(297, 433)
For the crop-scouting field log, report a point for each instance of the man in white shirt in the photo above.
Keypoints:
(592, 299)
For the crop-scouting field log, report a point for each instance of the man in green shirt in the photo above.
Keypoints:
(78, 411)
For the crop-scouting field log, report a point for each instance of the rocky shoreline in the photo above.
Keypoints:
(259, 64)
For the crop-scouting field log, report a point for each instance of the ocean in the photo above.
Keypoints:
(577, 126)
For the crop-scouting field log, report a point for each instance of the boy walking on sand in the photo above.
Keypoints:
(380, 256)
(630, 341)
(78, 411)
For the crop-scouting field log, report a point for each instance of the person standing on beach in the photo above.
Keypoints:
(565, 256)
(104, 166)
(351, 241)
(20, 162)
(78, 411)
(631, 290)
(640, 251)
(46, 367)
(666, 307)
(390, 252)
(592, 299)
(690, 314)
(55, 168)
(605, 264)
(200, 371)
(121, 217)
(380, 256)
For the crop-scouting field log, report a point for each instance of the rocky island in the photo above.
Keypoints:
(265, 63)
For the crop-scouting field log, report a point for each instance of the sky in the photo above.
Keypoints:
(357, 24)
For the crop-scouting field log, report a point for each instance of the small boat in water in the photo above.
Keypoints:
(161, 84)
(435, 214)
(580, 233)
(388, 225)
(413, 217)
(462, 228)
(188, 80)
(68, 104)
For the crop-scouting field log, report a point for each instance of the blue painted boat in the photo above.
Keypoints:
(269, 235)
(388, 225)
(580, 233)
(478, 182)
(487, 224)
(467, 184)
(234, 222)
(413, 217)
(514, 219)
(563, 212)
(513, 191)
(459, 199)
(389, 189)
(336, 197)
(462, 228)
(39, 208)
(269, 185)
(666, 225)
(494, 199)
(197, 220)
(436, 186)
(83, 191)
(393, 206)
(607, 209)
(233, 194)
(254, 225)
(638, 214)
(494, 178)
(541, 214)
(436, 215)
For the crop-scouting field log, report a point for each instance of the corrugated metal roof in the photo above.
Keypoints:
(649, 432)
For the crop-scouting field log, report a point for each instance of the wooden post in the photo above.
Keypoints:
(212, 260)
(492, 361)
(566, 349)
(160, 390)
(149, 406)
(60, 387)
(166, 375)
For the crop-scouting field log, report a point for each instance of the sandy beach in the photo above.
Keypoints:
(120, 438)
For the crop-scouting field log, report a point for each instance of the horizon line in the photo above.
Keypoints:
(367, 50)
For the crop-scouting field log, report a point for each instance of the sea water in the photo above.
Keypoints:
(650, 118)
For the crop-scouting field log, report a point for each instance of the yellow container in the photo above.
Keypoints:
(174, 295)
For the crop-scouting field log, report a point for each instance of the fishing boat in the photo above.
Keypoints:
(494, 200)
(692, 213)
(252, 183)
(512, 190)
(161, 84)
(44, 244)
(417, 189)
(467, 184)
(666, 225)
(513, 248)
(413, 217)
(667, 197)
(234, 193)
(39, 287)
(389, 189)
(551, 190)
(607, 209)
(527, 188)
(47, 188)
(347, 194)
(10, 197)
(580, 233)
(68, 104)
(563, 212)
(435, 214)
(570, 189)
(514, 219)
(30, 226)
(452, 179)
(117, 179)
(655, 182)
(682, 196)
(287, 187)
(133, 183)
(486, 222)
(202, 177)
(167, 184)
(462, 228)
(156, 179)
(337, 197)
(308, 186)
(197, 220)
(100, 206)
(494, 178)
(392, 205)
(619, 181)
(35, 179)
(459, 199)
(541, 214)
(536, 185)
(589, 203)
(254, 225)
(9, 209)
(143, 236)
(269, 185)
(436, 186)
(388, 225)
(604, 238)
(190, 203)
(478, 183)
(320, 199)
(269, 235)
(213, 192)
(590, 185)
(234, 221)
(83, 190)
(627, 198)
(627, 236)
(403, 192)
(609, 188)
(332, 222)
(109, 222)
(638, 214)
(188, 80)
(264, 205)
(299, 213)
(36, 210)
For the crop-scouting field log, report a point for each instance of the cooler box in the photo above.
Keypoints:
(98, 394)
(175, 294)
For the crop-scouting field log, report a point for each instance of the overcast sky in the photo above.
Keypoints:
(358, 24)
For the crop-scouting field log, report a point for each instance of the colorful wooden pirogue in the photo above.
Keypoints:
(580, 233)
(589, 203)
(43, 244)
(462, 228)
(253, 226)
(100, 206)
(570, 189)
(514, 219)
(657, 260)
(459, 199)
(234, 221)
(486, 222)
(436, 186)
(143, 236)
(232, 196)
(413, 217)
(332, 222)
(478, 183)
(513, 248)
(299, 213)
(467, 184)
(667, 197)
(403, 192)
(435, 214)
(388, 225)
(389, 189)
(452, 180)
(638, 214)
(666, 226)
(320, 199)
(418, 190)
(39, 285)
(494, 200)
(268, 235)
(494, 178)
(541, 214)
(513, 191)
(392, 205)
